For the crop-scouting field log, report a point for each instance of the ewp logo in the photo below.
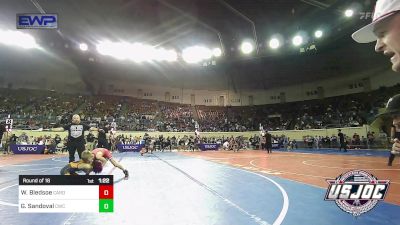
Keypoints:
(37, 21)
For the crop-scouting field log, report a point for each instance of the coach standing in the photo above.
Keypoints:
(342, 141)
(3, 140)
(268, 141)
(102, 137)
(76, 138)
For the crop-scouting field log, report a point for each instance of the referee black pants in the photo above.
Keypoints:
(72, 147)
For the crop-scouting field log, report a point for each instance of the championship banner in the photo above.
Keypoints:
(206, 147)
(129, 147)
(27, 149)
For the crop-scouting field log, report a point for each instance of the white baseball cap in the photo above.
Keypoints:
(383, 9)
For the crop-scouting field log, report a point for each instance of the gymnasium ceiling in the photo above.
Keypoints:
(176, 24)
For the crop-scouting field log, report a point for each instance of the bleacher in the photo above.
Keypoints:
(43, 109)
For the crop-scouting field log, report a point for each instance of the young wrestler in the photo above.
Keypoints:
(103, 155)
(87, 164)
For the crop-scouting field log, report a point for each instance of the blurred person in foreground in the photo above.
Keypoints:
(385, 30)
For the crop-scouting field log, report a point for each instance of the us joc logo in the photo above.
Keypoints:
(357, 191)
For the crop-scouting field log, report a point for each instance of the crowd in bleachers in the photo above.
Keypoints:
(44, 109)
(175, 117)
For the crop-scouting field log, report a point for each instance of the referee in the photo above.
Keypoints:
(76, 139)
(342, 141)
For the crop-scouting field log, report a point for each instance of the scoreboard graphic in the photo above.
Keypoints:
(66, 194)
